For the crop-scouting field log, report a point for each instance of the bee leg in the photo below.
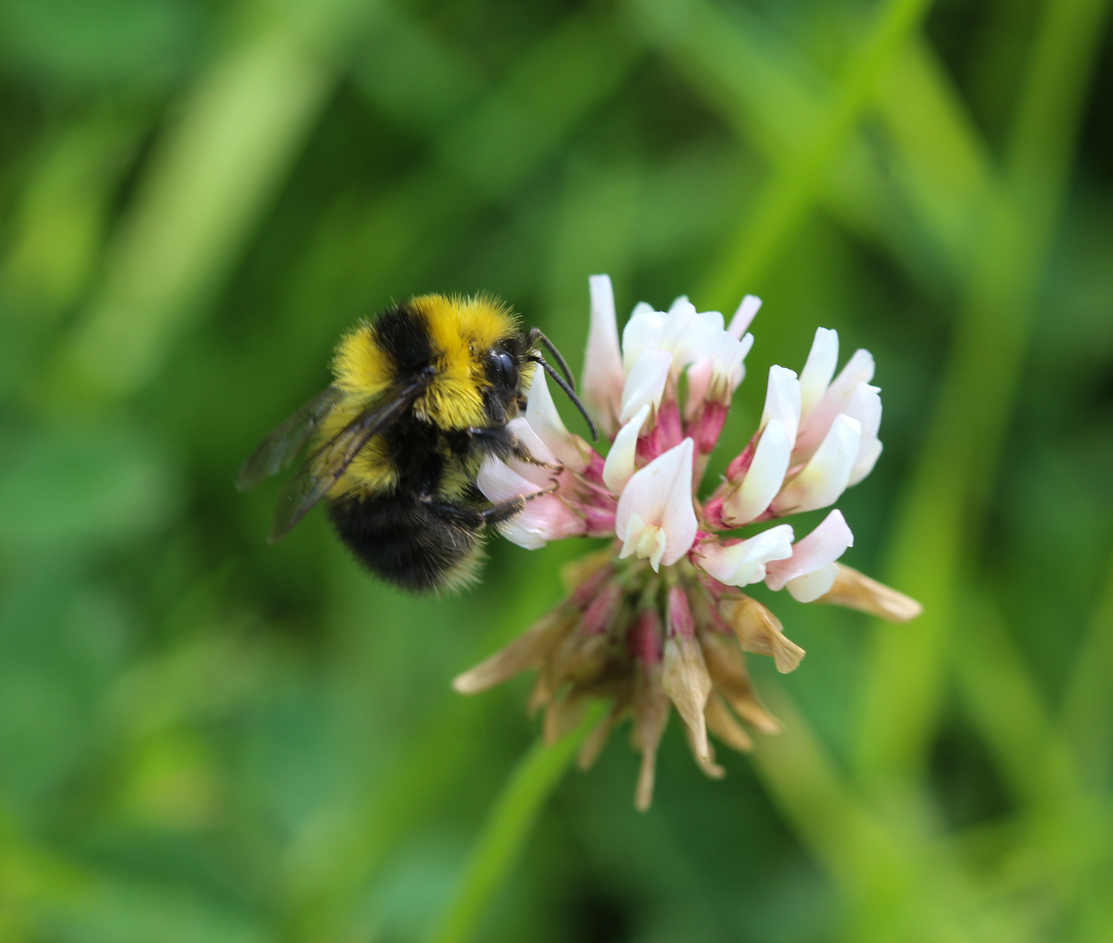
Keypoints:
(501, 441)
(474, 518)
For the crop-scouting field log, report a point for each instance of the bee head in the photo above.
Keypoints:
(508, 367)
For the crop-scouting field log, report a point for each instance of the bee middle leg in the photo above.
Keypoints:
(475, 518)
(501, 441)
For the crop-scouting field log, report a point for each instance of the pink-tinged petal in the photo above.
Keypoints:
(603, 374)
(810, 586)
(764, 478)
(541, 414)
(620, 459)
(679, 615)
(782, 400)
(746, 562)
(710, 424)
(642, 333)
(645, 383)
(819, 368)
(813, 430)
(826, 475)
(699, 381)
(545, 518)
(822, 546)
(659, 497)
(744, 316)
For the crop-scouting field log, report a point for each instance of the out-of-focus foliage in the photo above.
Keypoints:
(203, 738)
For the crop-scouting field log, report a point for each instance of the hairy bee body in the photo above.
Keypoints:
(390, 508)
(421, 395)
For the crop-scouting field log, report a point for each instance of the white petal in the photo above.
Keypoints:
(827, 474)
(859, 369)
(645, 382)
(810, 586)
(782, 400)
(642, 333)
(646, 540)
(747, 343)
(820, 367)
(661, 495)
(745, 315)
(603, 374)
(499, 482)
(764, 477)
(543, 418)
(539, 476)
(692, 336)
(822, 546)
(865, 406)
(867, 458)
(620, 459)
(744, 563)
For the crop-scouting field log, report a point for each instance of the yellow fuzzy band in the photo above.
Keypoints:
(462, 330)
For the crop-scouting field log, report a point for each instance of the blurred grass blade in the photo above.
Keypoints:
(899, 882)
(776, 102)
(1088, 703)
(999, 691)
(211, 178)
(945, 507)
(940, 161)
(794, 188)
(505, 832)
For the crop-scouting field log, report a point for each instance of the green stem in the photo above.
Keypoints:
(506, 829)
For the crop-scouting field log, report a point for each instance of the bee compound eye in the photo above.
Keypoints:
(506, 369)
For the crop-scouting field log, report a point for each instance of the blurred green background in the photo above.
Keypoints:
(203, 738)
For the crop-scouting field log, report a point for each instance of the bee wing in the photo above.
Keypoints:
(279, 449)
(324, 467)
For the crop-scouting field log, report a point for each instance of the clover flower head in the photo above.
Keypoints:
(659, 617)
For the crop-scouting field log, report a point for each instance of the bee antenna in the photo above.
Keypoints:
(569, 392)
(536, 335)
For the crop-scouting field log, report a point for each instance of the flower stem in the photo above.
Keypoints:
(506, 829)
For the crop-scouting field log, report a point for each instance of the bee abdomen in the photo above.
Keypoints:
(399, 539)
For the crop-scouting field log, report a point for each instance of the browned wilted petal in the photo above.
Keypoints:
(564, 715)
(577, 659)
(728, 675)
(721, 722)
(707, 763)
(597, 739)
(651, 714)
(760, 631)
(526, 651)
(685, 680)
(576, 573)
(857, 591)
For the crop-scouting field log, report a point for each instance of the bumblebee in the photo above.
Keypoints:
(421, 395)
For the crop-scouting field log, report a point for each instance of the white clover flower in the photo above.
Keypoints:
(659, 617)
